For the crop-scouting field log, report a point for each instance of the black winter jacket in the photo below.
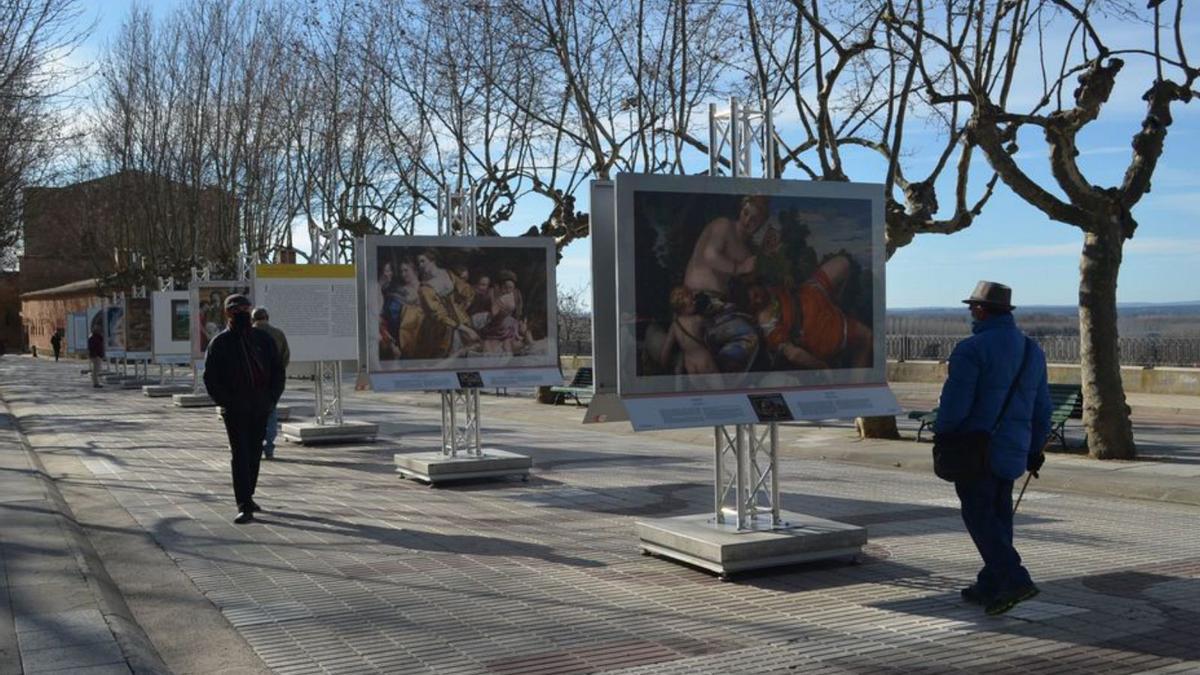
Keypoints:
(227, 373)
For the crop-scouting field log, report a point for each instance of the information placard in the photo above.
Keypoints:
(674, 411)
(315, 307)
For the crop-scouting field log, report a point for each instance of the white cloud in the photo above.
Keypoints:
(1030, 251)
(1136, 246)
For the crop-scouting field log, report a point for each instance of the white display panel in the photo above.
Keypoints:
(314, 306)
(172, 325)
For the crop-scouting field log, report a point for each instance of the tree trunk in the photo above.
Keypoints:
(877, 427)
(1105, 413)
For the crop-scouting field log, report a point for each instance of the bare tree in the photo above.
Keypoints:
(574, 318)
(36, 39)
(186, 113)
(976, 54)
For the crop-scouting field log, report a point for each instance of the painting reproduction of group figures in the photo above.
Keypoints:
(459, 305)
(751, 289)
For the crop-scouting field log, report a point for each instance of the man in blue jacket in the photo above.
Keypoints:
(983, 367)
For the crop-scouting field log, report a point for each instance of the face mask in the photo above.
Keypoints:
(241, 321)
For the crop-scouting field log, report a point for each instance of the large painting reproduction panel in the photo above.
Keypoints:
(736, 284)
(461, 303)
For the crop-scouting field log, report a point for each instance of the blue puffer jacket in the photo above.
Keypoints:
(982, 368)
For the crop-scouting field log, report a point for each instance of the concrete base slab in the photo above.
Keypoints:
(164, 390)
(698, 540)
(434, 467)
(114, 379)
(133, 384)
(311, 433)
(192, 401)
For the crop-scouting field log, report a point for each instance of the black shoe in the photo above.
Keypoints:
(973, 595)
(253, 507)
(98, 386)
(244, 516)
(1006, 601)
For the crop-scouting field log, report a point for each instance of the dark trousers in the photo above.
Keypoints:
(246, 432)
(987, 513)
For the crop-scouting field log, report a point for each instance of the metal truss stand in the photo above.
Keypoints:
(462, 455)
(747, 529)
(198, 397)
(329, 425)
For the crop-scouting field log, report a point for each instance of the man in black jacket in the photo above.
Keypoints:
(244, 375)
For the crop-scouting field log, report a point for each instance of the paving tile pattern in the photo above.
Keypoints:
(351, 569)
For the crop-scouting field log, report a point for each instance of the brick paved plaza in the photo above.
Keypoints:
(351, 569)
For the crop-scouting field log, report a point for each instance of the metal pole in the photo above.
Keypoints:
(741, 474)
(735, 137)
(775, 519)
(719, 475)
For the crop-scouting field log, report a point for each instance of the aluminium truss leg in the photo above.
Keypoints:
(746, 483)
(327, 387)
(460, 423)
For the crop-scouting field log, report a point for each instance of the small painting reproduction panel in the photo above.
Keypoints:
(740, 285)
(457, 304)
(138, 342)
(207, 308)
(95, 322)
(114, 330)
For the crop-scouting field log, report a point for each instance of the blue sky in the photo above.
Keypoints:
(1011, 242)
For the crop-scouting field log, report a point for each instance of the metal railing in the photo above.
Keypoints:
(1135, 351)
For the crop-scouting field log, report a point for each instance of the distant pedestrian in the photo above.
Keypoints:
(243, 375)
(56, 343)
(997, 385)
(262, 322)
(96, 354)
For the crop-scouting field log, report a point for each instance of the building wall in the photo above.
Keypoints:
(43, 315)
(11, 334)
(71, 233)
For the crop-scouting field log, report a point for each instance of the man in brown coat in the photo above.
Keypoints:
(262, 322)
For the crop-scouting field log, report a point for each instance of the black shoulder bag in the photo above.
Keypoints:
(963, 455)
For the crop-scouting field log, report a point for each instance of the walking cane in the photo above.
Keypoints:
(1018, 504)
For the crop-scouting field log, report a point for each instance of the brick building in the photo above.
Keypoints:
(83, 233)
(43, 312)
(11, 335)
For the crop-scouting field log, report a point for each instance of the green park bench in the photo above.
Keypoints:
(1066, 403)
(580, 386)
